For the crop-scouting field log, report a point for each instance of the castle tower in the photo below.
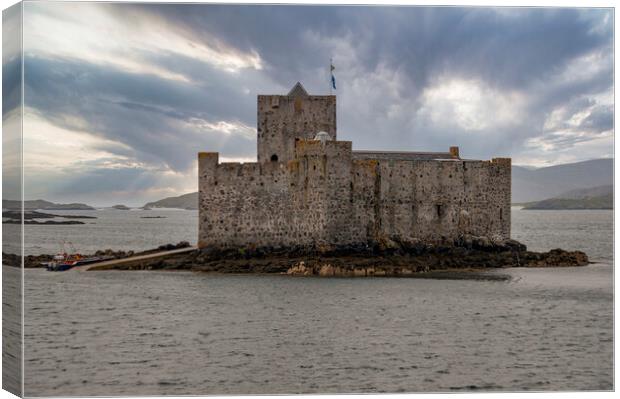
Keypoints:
(283, 119)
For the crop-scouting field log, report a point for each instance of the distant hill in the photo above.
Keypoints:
(591, 192)
(550, 182)
(186, 201)
(42, 204)
(601, 197)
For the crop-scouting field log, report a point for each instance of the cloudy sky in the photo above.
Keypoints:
(120, 98)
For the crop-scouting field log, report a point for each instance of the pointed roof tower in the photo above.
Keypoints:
(298, 91)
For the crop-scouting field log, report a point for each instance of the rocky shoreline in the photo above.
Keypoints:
(469, 256)
(394, 261)
(47, 222)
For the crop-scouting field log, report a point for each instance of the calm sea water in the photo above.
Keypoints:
(590, 231)
(119, 230)
(155, 333)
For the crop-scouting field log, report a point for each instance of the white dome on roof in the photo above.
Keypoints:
(323, 137)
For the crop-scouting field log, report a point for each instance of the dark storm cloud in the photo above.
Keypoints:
(506, 48)
(11, 61)
(276, 33)
(11, 85)
(601, 119)
(509, 47)
(96, 178)
(144, 112)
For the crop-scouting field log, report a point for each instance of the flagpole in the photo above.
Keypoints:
(329, 77)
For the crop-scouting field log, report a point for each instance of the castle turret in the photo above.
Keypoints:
(283, 119)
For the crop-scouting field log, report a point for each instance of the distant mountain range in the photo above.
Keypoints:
(601, 197)
(186, 201)
(46, 205)
(550, 182)
(585, 193)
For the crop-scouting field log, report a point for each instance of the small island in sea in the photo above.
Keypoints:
(471, 255)
(30, 217)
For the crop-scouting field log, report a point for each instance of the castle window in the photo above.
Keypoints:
(439, 210)
(274, 158)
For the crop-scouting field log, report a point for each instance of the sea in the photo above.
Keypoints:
(181, 333)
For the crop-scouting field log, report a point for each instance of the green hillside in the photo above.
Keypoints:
(605, 201)
(186, 201)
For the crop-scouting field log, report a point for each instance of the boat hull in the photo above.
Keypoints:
(64, 266)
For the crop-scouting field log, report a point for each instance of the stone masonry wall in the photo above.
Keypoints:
(321, 196)
(432, 201)
(283, 119)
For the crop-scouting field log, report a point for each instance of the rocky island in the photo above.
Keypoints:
(471, 254)
(379, 260)
(14, 217)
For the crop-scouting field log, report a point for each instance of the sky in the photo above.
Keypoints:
(120, 98)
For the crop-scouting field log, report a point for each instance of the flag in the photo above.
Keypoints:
(331, 68)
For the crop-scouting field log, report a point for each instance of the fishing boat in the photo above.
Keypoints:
(62, 262)
(65, 261)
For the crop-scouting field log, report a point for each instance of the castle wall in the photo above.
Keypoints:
(330, 164)
(325, 197)
(276, 204)
(433, 201)
(282, 119)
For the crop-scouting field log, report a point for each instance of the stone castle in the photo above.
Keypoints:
(310, 190)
